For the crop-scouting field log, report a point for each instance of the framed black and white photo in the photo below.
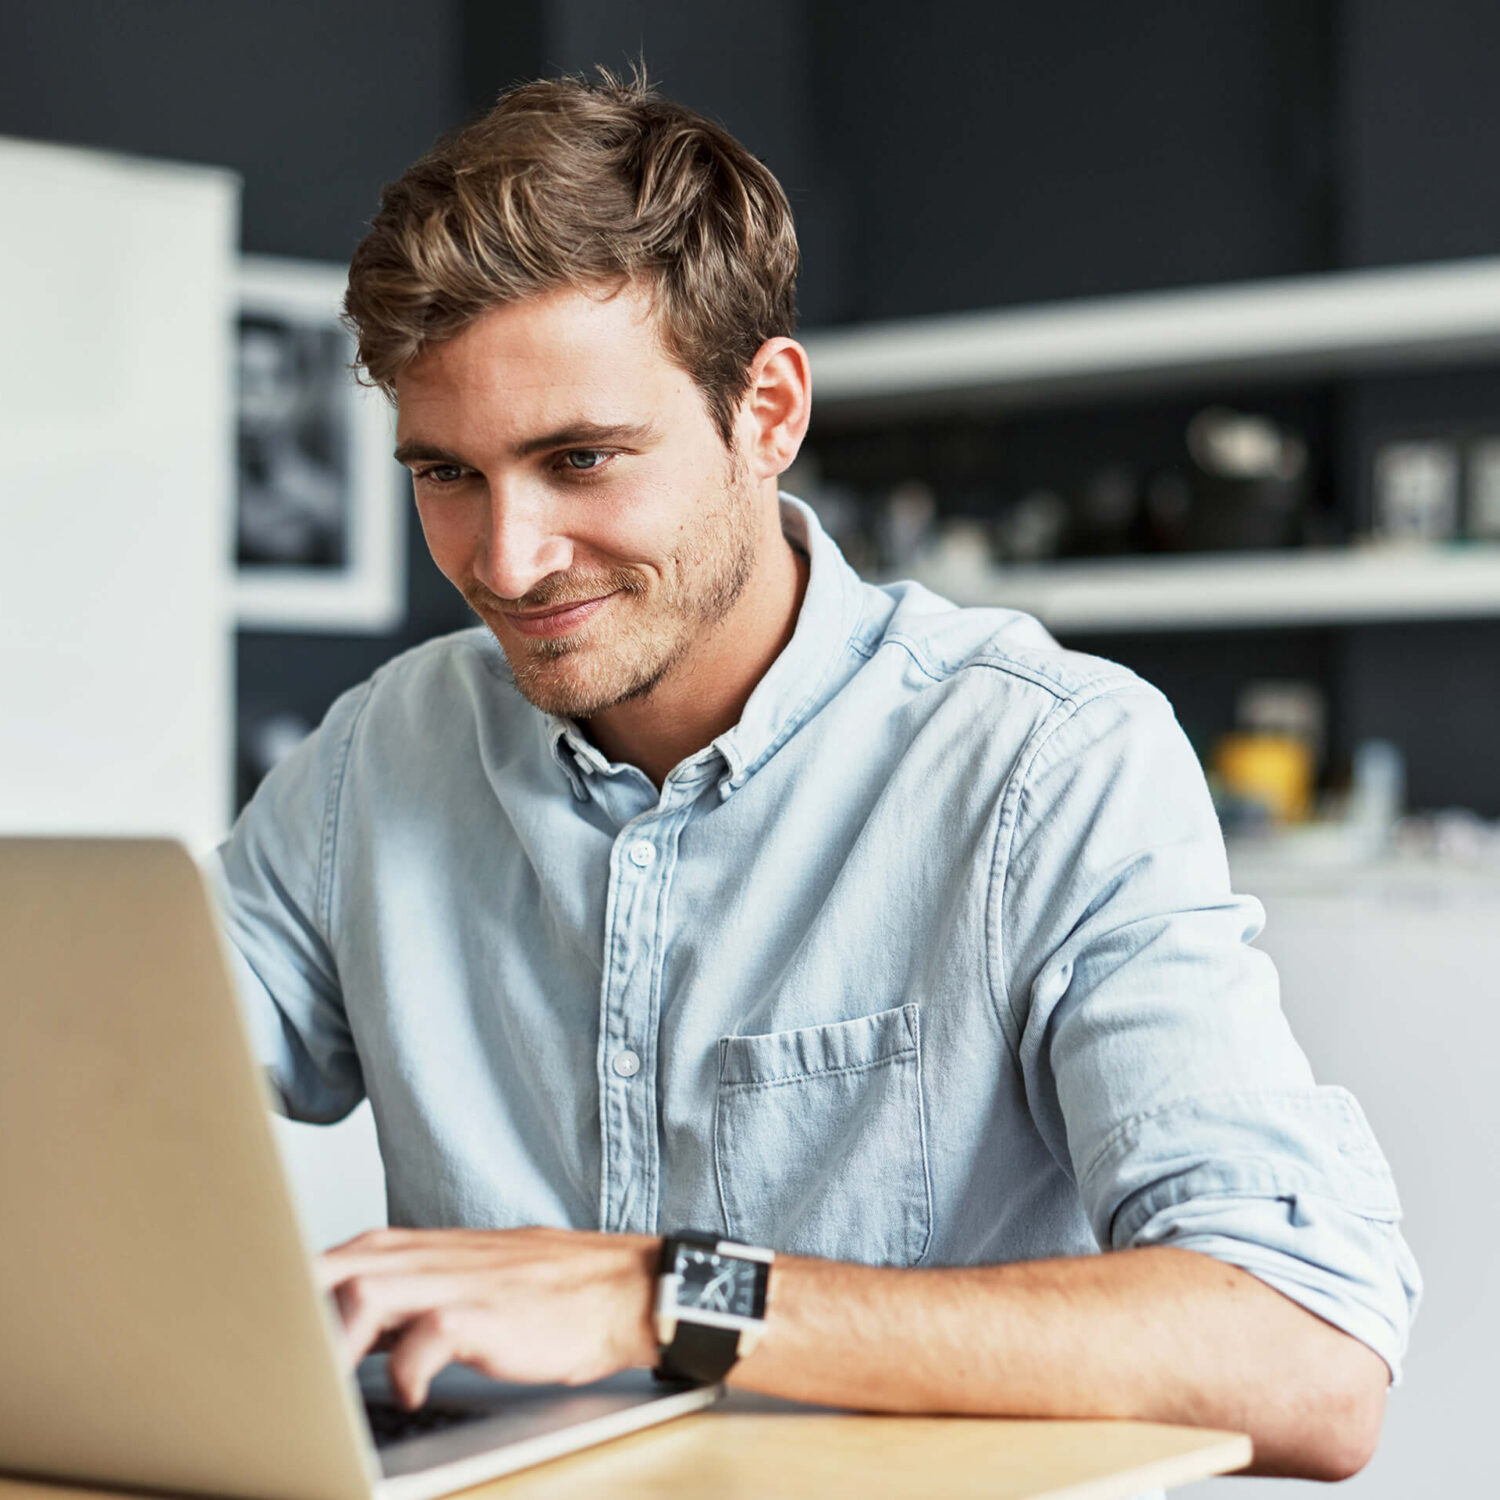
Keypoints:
(319, 531)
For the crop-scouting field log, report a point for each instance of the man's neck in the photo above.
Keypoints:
(706, 693)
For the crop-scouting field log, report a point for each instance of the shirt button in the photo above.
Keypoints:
(627, 1063)
(642, 852)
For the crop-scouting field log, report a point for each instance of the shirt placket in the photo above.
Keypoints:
(641, 865)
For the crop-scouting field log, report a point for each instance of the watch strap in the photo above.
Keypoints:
(699, 1354)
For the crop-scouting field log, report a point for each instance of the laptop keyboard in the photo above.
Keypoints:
(390, 1423)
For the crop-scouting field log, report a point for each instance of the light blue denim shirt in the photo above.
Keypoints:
(932, 959)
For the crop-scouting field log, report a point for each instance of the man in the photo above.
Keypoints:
(707, 887)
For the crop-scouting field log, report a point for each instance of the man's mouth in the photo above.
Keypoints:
(557, 619)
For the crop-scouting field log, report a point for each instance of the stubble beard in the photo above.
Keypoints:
(702, 580)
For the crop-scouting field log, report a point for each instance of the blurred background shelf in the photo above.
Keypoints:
(1326, 586)
(1337, 323)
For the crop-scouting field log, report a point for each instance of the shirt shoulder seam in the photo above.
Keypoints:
(332, 804)
(1062, 712)
(1079, 693)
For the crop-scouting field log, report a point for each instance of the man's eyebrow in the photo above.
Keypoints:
(575, 435)
(412, 453)
(589, 435)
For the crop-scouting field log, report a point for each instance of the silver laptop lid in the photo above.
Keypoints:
(162, 1326)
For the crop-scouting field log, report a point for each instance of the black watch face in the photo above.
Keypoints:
(719, 1283)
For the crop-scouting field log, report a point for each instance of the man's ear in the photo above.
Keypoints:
(776, 408)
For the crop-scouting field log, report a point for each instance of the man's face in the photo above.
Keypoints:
(572, 486)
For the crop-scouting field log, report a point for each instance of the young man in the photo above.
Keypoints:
(706, 887)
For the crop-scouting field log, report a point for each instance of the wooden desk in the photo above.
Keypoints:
(751, 1449)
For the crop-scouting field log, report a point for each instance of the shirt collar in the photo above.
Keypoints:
(797, 681)
(794, 684)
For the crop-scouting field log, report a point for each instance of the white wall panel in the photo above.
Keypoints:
(116, 698)
(1392, 993)
(336, 1175)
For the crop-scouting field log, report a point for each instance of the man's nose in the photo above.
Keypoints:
(521, 545)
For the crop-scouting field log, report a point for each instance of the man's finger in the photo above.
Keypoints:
(424, 1347)
(406, 1254)
(372, 1305)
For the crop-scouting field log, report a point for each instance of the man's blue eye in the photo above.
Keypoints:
(584, 459)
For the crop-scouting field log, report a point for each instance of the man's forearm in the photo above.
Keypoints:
(1158, 1334)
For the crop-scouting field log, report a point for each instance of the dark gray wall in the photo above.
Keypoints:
(1417, 139)
(754, 69)
(1433, 688)
(1014, 153)
(970, 154)
(315, 104)
(1419, 123)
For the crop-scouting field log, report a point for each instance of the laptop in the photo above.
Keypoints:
(162, 1326)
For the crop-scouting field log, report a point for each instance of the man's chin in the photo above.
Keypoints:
(568, 681)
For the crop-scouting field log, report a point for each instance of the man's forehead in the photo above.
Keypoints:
(549, 361)
(552, 333)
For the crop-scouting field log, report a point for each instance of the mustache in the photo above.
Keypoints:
(556, 590)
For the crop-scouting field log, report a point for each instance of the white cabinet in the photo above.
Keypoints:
(336, 1175)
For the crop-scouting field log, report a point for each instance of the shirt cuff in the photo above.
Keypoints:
(1289, 1185)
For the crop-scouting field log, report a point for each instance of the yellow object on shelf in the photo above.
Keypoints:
(1273, 770)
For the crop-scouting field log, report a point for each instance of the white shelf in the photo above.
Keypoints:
(1246, 589)
(1314, 325)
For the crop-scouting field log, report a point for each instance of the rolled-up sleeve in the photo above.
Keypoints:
(272, 879)
(1157, 1061)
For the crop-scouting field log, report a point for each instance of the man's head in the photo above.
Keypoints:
(567, 183)
(582, 305)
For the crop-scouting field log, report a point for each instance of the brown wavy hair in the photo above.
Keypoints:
(573, 182)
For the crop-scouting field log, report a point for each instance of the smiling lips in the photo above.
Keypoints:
(559, 620)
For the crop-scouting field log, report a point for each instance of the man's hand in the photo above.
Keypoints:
(543, 1305)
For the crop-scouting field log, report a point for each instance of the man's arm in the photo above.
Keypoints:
(1157, 1334)
(271, 882)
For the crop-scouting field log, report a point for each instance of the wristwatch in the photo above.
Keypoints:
(710, 1304)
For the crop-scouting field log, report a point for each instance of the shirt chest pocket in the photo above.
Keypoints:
(820, 1140)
